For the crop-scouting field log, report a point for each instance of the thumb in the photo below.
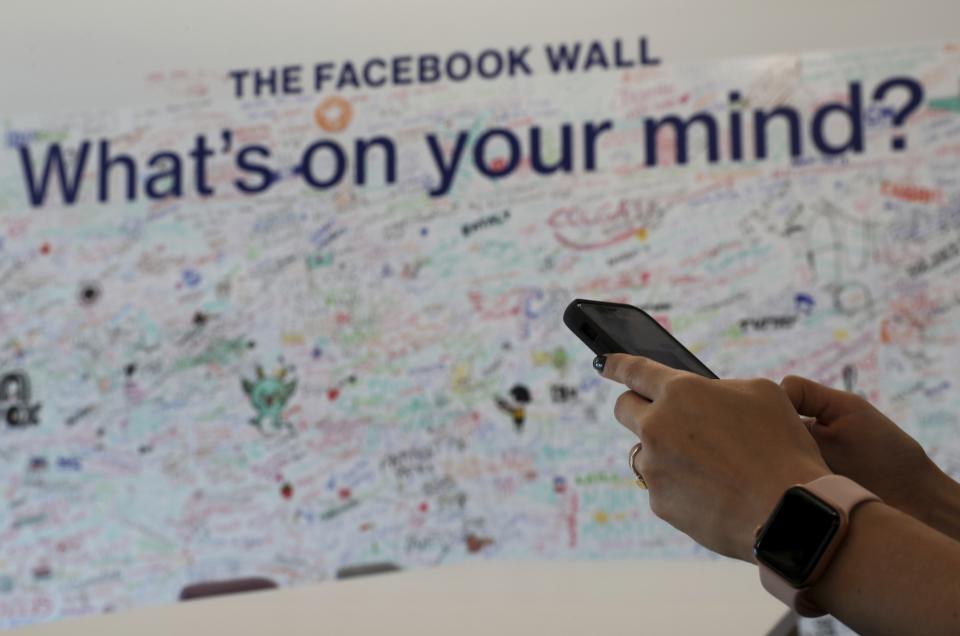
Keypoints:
(816, 429)
(817, 400)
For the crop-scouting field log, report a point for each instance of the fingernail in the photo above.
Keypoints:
(599, 362)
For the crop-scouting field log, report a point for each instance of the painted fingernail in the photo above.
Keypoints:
(599, 362)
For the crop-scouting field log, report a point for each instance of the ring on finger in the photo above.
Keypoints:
(640, 481)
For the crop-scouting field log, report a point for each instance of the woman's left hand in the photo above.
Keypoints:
(717, 454)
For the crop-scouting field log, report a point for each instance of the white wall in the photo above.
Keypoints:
(72, 55)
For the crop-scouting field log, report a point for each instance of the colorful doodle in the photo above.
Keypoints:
(269, 396)
(15, 400)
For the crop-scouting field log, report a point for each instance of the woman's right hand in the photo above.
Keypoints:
(859, 442)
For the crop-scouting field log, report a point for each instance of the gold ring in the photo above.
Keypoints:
(641, 482)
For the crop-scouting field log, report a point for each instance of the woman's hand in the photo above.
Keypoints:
(717, 454)
(861, 443)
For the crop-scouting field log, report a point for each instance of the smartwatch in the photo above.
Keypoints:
(798, 540)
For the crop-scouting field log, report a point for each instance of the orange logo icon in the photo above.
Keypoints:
(333, 114)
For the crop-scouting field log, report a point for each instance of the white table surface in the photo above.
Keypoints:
(583, 598)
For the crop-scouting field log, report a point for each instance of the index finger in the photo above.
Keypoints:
(645, 376)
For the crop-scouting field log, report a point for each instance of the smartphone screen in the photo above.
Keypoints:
(635, 332)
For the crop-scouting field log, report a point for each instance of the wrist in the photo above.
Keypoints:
(804, 536)
(866, 517)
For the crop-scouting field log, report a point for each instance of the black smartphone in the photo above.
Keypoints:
(618, 328)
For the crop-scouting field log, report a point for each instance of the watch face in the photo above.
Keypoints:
(796, 535)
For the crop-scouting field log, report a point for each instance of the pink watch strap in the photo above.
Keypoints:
(843, 495)
(796, 599)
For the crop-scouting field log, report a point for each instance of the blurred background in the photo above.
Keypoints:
(281, 283)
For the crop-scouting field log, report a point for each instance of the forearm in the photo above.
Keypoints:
(893, 575)
(942, 512)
